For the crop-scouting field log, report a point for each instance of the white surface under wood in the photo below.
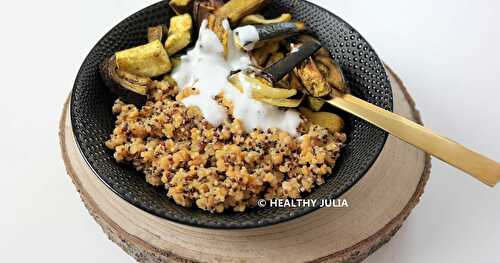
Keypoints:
(446, 52)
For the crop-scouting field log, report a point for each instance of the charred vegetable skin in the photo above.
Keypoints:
(130, 88)
(331, 71)
(203, 8)
(314, 82)
(284, 29)
(283, 67)
(268, 32)
(181, 6)
(157, 33)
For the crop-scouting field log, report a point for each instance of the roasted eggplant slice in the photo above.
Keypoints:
(327, 120)
(312, 79)
(283, 67)
(333, 73)
(179, 33)
(295, 82)
(235, 10)
(181, 6)
(130, 88)
(261, 55)
(275, 57)
(257, 19)
(286, 103)
(260, 88)
(148, 60)
(202, 8)
(314, 104)
(248, 36)
(157, 33)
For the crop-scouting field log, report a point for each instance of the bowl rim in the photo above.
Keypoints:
(213, 225)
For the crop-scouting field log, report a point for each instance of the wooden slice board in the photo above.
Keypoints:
(326, 235)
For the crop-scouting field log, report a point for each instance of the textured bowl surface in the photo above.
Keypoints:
(93, 121)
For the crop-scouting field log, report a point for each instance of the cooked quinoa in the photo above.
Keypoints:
(218, 168)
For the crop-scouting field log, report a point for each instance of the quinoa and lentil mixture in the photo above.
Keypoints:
(218, 168)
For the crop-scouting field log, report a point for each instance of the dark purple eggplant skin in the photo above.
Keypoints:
(280, 69)
(108, 73)
(179, 10)
(201, 9)
(283, 29)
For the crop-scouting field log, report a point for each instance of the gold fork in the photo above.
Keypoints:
(453, 153)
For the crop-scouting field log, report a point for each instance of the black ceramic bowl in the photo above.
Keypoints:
(93, 121)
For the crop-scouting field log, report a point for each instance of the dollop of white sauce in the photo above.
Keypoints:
(205, 68)
(247, 36)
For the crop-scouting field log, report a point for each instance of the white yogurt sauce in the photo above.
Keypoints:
(247, 36)
(206, 68)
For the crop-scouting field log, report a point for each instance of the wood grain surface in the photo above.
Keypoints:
(378, 205)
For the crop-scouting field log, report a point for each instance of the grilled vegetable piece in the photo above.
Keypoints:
(180, 23)
(181, 6)
(247, 37)
(261, 55)
(215, 24)
(157, 33)
(202, 8)
(286, 103)
(130, 88)
(176, 42)
(314, 104)
(257, 19)
(327, 120)
(312, 79)
(283, 67)
(260, 88)
(275, 57)
(295, 82)
(149, 60)
(332, 72)
(235, 10)
(179, 33)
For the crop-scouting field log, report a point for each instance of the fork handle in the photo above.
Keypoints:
(455, 154)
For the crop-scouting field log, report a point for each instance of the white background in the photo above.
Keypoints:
(447, 52)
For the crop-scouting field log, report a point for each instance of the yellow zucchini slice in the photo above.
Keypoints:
(259, 87)
(287, 103)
